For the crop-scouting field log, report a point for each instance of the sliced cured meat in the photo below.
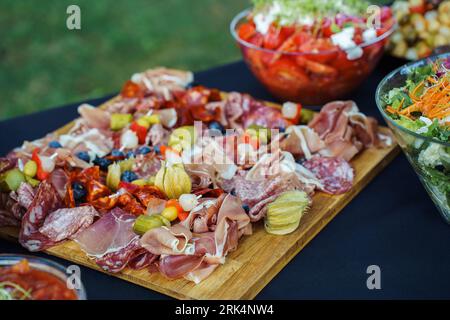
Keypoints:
(253, 192)
(25, 195)
(265, 117)
(344, 129)
(172, 240)
(6, 164)
(115, 261)
(202, 175)
(112, 232)
(232, 223)
(45, 201)
(157, 135)
(301, 141)
(66, 223)
(142, 259)
(325, 121)
(59, 179)
(146, 165)
(195, 255)
(94, 117)
(335, 174)
(203, 217)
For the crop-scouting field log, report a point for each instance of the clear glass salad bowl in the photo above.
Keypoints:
(419, 149)
(313, 77)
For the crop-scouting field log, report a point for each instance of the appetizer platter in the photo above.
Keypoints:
(186, 190)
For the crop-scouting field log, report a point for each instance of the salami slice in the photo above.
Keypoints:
(335, 174)
(117, 260)
(46, 200)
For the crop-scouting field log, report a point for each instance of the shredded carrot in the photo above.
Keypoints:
(434, 102)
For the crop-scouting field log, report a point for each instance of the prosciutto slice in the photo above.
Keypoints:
(301, 141)
(112, 232)
(172, 240)
(344, 129)
(195, 255)
(94, 117)
(257, 194)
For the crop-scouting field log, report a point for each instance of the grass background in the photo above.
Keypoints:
(43, 64)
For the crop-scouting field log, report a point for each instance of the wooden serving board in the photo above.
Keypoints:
(259, 257)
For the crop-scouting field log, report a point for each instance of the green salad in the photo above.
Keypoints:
(422, 105)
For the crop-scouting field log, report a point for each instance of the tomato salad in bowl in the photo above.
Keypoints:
(24, 277)
(312, 51)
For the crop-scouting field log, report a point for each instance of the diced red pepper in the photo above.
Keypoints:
(183, 215)
(40, 174)
(141, 131)
(132, 90)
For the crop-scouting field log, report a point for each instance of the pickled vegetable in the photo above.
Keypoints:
(306, 116)
(261, 134)
(11, 180)
(144, 223)
(126, 164)
(284, 214)
(32, 182)
(182, 138)
(120, 120)
(30, 168)
(113, 176)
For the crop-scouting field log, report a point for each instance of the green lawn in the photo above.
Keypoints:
(43, 64)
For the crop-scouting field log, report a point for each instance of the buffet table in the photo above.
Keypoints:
(392, 223)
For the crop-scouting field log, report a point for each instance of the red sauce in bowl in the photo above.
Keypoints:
(39, 285)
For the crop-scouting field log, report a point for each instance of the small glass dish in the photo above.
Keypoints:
(414, 145)
(41, 264)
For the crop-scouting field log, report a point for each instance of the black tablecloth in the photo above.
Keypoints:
(392, 223)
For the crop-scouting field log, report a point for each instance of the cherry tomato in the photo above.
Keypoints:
(246, 31)
(131, 90)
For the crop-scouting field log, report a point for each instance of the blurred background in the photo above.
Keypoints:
(44, 65)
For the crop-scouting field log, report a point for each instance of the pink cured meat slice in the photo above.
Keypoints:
(45, 201)
(335, 174)
(67, 222)
(142, 259)
(133, 256)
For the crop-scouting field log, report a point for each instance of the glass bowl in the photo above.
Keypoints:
(53, 268)
(311, 78)
(420, 150)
